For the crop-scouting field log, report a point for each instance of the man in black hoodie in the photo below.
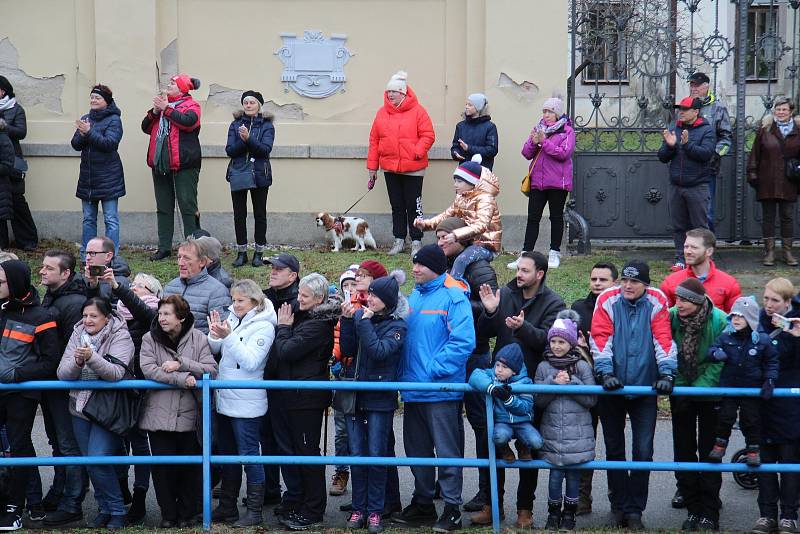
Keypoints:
(29, 350)
(65, 296)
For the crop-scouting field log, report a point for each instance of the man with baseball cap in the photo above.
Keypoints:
(632, 345)
(688, 148)
(715, 113)
(283, 279)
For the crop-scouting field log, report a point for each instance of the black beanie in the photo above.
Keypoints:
(254, 94)
(432, 257)
(6, 86)
(106, 94)
(18, 278)
(387, 290)
(636, 270)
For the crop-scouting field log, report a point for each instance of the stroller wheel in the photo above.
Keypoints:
(747, 481)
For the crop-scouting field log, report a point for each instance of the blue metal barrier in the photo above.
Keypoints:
(207, 459)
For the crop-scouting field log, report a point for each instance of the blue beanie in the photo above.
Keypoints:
(386, 289)
(511, 357)
(470, 171)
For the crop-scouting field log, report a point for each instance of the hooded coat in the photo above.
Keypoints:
(401, 136)
(480, 135)
(257, 147)
(101, 176)
(244, 357)
(477, 208)
(518, 408)
(766, 170)
(29, 346)
(553, 168)
(113, 340)
(569, 437)
(174, 410)
(7, 172)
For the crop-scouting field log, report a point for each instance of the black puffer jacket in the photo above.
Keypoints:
(480, 135)
(301, 352)
(101, 176)
(6, 173)
(143, 320)
(780, 416)
(690, 165)
(540, 313)
(16, 125)
(67, 302)
(477, 274)
(280, 296)
(585, 309)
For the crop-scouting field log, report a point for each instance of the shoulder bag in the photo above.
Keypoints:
(243, 176)
(791, 165)
(525, 187)
(116, 410)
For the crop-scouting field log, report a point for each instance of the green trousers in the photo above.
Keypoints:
(183, 185)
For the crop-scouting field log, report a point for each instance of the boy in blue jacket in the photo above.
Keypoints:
(513, 413)
(751, 360)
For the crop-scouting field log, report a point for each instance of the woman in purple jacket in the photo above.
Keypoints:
(549, 147)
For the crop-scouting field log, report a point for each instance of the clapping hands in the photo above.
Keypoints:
(285, 315)
(217, 326)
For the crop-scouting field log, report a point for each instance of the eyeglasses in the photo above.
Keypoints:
(363, 275)
(137, 285)
(93, 253)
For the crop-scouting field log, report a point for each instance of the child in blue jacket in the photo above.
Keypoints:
(751, 361)
(513, 413)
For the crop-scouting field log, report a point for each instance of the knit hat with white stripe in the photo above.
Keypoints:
(470, 171)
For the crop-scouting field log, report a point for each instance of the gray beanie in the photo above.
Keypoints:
(478, 100)
(747, 307)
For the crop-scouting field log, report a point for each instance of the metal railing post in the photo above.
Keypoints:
(207, 451)
(493, 492)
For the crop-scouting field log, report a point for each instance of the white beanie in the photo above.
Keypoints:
(554, 104)
(398, 82)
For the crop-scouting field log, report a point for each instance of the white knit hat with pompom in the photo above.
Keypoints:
(398, 82)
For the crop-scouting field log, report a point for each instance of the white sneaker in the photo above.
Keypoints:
(415, 246)
(399, 245)
(554, 260)
(513, 265)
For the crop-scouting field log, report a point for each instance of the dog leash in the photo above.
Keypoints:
(356, 202)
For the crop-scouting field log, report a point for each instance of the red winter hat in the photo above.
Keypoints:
(185, 83)
(374, 268)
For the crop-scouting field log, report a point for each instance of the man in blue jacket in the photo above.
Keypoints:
(440, 339)
(689, 147)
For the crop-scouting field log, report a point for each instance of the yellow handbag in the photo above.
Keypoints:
(525, 186)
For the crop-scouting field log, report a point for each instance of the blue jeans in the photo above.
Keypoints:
(340, 440)
(68, 481)
(503, 432)
(628, 490)
(240, 435)
(557, 476)
(470, 255)
(95, 440)
(368, 435)
(110, 218)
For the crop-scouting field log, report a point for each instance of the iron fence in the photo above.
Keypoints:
(206, 459)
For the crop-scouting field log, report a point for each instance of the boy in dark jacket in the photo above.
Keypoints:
(513, 413)
(751, 360)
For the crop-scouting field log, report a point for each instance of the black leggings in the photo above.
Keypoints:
(556, 198)
(405, 196)
(259, 199)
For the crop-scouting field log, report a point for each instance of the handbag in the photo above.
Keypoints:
(791, 165)
(525, 187)
(116, 410)
(345, 401)
(21, 168)
(242, 177)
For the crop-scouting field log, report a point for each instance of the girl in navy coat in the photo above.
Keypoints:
(250, 139)
(375, 335)
(101, 179)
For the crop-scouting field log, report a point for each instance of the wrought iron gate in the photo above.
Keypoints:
(630, 60)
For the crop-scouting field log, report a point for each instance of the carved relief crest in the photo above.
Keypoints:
(313, 66)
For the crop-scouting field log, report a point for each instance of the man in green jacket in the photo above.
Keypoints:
(696, 323)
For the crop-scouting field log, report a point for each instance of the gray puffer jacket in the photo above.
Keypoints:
(203, 293)
(716, 114)
(566, 422)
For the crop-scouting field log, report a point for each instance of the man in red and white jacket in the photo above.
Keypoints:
(722, 288)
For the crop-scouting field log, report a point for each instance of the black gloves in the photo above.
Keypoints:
(503, 393)
(664, 385)
(610, 382)
(767, 389)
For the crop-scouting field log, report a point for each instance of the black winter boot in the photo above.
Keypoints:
(137, 511)
(241, 259)
(258, 260)
(255, 501)
(227, 511)
(553, 516)
(568, 518)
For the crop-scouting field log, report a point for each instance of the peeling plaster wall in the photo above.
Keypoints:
(450, 48)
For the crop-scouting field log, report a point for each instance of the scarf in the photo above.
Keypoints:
(7, 102)
(161, 163)
(784, 127)
(568, 361)
(551, 128)
(692, 327)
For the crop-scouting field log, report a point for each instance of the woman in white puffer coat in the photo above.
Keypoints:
(244, 340)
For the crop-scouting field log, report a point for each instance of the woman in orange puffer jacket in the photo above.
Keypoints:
(401, 135)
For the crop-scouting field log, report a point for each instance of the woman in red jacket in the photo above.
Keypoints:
(401, 135)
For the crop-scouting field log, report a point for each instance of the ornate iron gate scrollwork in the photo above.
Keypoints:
(630, 60)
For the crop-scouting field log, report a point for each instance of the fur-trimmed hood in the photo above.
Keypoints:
(330, 310)
(769, 120)
(266, 115)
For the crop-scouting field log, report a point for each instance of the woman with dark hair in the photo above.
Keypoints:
(175, 353)
(777, 140)
(97, 136)
(173, 124)
(100, 349)
(250, 138)
(25, 233)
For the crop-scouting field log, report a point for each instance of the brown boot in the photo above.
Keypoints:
(505, 453)
(786, 249)
(769, 252)
(523, 451)
(339, 483)
(484, 517)
(524, 519)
